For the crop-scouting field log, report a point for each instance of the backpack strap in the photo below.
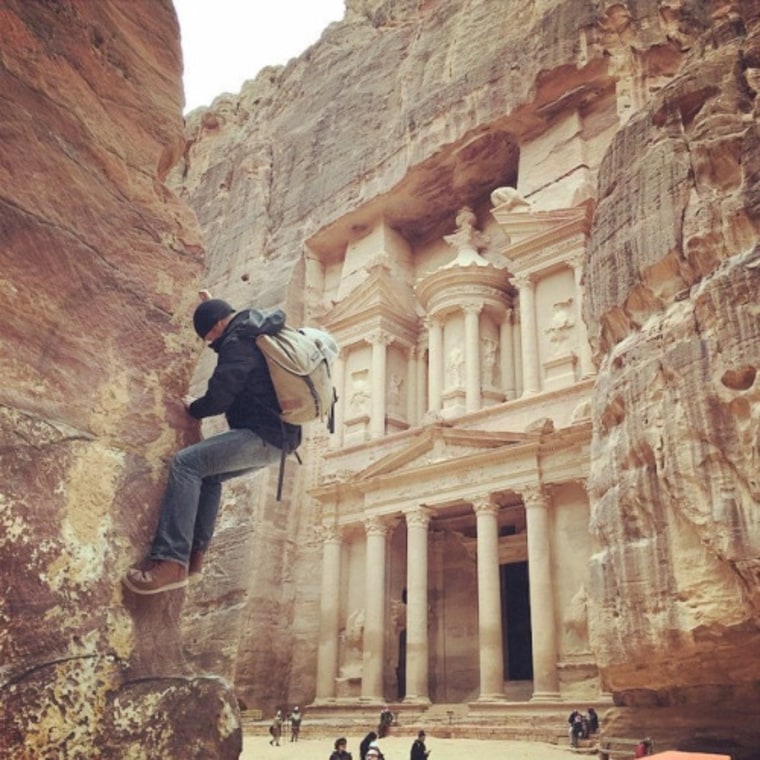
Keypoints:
(283, 453)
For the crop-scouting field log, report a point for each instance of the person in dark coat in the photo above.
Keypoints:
(366, 741)
(592, 721)
(241, 389)
(340, 752)
(419, 751)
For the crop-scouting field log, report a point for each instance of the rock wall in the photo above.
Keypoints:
(673, 265)
(388, 111)
(99, 264)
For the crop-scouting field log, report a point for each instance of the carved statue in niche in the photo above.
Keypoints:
(360, 395)
(561, 325)
(455, 367)
(490, 361)
(353, 638)
(395, 386)
(576, 624)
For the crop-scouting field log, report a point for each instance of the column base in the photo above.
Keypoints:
(323, 702)
(546, 696)
(491, 699)
(422, 701)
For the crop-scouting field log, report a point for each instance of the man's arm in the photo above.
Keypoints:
(236, 360)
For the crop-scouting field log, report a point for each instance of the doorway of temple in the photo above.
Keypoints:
(516, 630)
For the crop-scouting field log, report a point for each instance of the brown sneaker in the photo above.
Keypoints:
(196, 563)
(158, 576)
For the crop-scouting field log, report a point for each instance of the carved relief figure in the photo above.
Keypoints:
(490, 364)
(576, 624)
(455, 367)
(509, 197)
(394, 391)
(561, 325)
(467, 239)
(359, 400)
(352, 636)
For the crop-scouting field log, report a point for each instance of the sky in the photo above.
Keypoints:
(225, 42)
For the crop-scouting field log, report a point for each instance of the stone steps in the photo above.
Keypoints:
(499, 721)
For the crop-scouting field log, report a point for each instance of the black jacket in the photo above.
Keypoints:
(419, 752)
(241, 388)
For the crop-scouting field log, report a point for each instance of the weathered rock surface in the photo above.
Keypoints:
(412, 109)
(98, 268)
(673, 265)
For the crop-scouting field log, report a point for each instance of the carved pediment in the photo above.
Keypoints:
(438, 445)
(379, 298)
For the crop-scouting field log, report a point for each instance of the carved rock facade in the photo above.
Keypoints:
(541, 222)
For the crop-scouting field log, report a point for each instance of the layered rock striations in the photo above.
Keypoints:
(673, 267)
(99, 264)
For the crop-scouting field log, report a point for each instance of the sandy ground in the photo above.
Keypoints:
(397, 748)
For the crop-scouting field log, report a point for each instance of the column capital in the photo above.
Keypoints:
(380, 337)
(375, 526)
(417, 517)
(534, 496)
(483, 505)
(575, 261)
(330, 532)
(523, 282)
(432, 320)
(472, 308)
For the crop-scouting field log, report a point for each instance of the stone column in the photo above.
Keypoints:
(374, 605)
(472, 356)
(584, 349)
(507, 356)
(327, 653)
(528, 335)
(435, 364)
(542, 615)
(417, 648)
(339, 381)
(379, 381)
(490, 636)
(412, 386)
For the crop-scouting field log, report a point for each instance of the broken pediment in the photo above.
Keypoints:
(380, 301)
(438, 445)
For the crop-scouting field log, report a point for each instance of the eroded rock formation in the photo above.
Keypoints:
(98, 267)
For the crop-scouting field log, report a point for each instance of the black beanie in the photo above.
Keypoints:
(209, 313)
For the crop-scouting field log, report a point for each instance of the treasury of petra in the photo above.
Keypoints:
(532, 228)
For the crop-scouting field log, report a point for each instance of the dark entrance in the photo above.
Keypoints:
(401, 667)
(515, 610)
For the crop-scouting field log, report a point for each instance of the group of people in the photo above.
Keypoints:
(369, 749)
(582, 726)
(275, 729)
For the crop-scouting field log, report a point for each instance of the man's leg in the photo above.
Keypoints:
(191, 501)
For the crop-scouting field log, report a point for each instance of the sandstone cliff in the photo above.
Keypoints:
(413, 108)
(396, 108)
(98, 267)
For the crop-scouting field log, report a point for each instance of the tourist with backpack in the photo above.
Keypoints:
(241, 388)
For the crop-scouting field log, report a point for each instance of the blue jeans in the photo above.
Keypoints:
(194, 489)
